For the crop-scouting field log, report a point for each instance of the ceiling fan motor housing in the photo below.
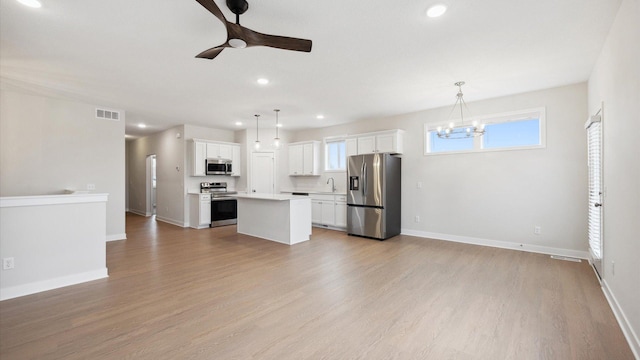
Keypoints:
(237, 7)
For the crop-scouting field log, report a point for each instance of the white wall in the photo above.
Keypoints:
(48, 144)
(615, 81)
(495, 197)
(65, 247)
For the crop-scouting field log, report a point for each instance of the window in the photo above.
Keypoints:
(508, 131)
(335, 155)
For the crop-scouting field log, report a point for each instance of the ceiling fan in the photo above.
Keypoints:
(240, 37)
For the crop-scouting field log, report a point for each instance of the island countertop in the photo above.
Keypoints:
(261, 196)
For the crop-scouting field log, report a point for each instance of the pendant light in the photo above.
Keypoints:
(461, 131)
(257, 143)
(276, 140)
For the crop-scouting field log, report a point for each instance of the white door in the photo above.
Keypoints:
(594, 159)
(263, 172)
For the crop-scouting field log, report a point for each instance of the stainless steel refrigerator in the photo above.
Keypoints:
(373, 195)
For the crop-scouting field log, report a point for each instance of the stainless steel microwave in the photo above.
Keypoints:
(218, 166)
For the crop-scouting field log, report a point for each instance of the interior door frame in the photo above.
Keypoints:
(597, 263)
(149, 185)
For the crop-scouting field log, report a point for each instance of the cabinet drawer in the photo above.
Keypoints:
(341, 198)
(322, 197)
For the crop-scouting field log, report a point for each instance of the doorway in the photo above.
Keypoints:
(151, 185)
(594, 163)
(263, 172)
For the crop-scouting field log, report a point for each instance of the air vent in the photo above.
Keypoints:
(107, 114)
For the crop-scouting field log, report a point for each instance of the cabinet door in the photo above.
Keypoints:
(366, 144)
(341, 214)
(328, 213)
(199, 155)
(225, 151)
(296, 158)
(236, 160)
(308, 162)
(351, 146)
(213, 151)
(386, 143)
(205, 212)
(316, 212)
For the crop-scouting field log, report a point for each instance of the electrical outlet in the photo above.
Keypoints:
(537, 230)
(417, 219)
(419, 184)
(91, 186)
(8, 263)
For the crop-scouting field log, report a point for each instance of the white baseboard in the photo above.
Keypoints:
(114, 237)
(171, 221)
(627, 330)
(499, 244)
(137, 212)
(39, 286)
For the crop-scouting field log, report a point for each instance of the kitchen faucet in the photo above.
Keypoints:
(333, 184)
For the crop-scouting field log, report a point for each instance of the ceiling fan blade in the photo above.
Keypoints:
(213, 8)
(211, 53)
(254, 38)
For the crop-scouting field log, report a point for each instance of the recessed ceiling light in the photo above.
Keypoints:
(238, 123)
(31, 3)
(142, 126)
(263, 81)
(436, 10)
(320, 117)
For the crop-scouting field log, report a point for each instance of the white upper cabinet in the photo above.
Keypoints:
(380, 142)
(351, 145)
(236, 161)
(219, 151)
(199, 154)
(204, 149)
(304, 158)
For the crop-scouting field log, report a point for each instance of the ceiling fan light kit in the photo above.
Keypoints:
(462, 131)
(240, 37)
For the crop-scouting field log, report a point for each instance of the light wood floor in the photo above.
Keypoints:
(178, 293)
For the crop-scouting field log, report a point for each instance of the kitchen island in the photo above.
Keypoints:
(277, 217)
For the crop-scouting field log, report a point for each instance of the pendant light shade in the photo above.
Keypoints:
(276, 140)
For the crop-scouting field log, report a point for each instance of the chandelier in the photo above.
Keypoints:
(461, 131)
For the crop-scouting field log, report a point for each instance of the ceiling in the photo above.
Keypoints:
(369, 59)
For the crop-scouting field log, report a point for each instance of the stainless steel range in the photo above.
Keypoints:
(224, 208)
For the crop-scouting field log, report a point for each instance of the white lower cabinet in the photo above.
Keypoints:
(341, 211)
(329, 210)
(199, 211)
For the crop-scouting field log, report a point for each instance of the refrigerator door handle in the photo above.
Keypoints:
(364, 179)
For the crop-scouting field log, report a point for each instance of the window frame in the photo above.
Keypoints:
(334, 139)
(511, 116)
